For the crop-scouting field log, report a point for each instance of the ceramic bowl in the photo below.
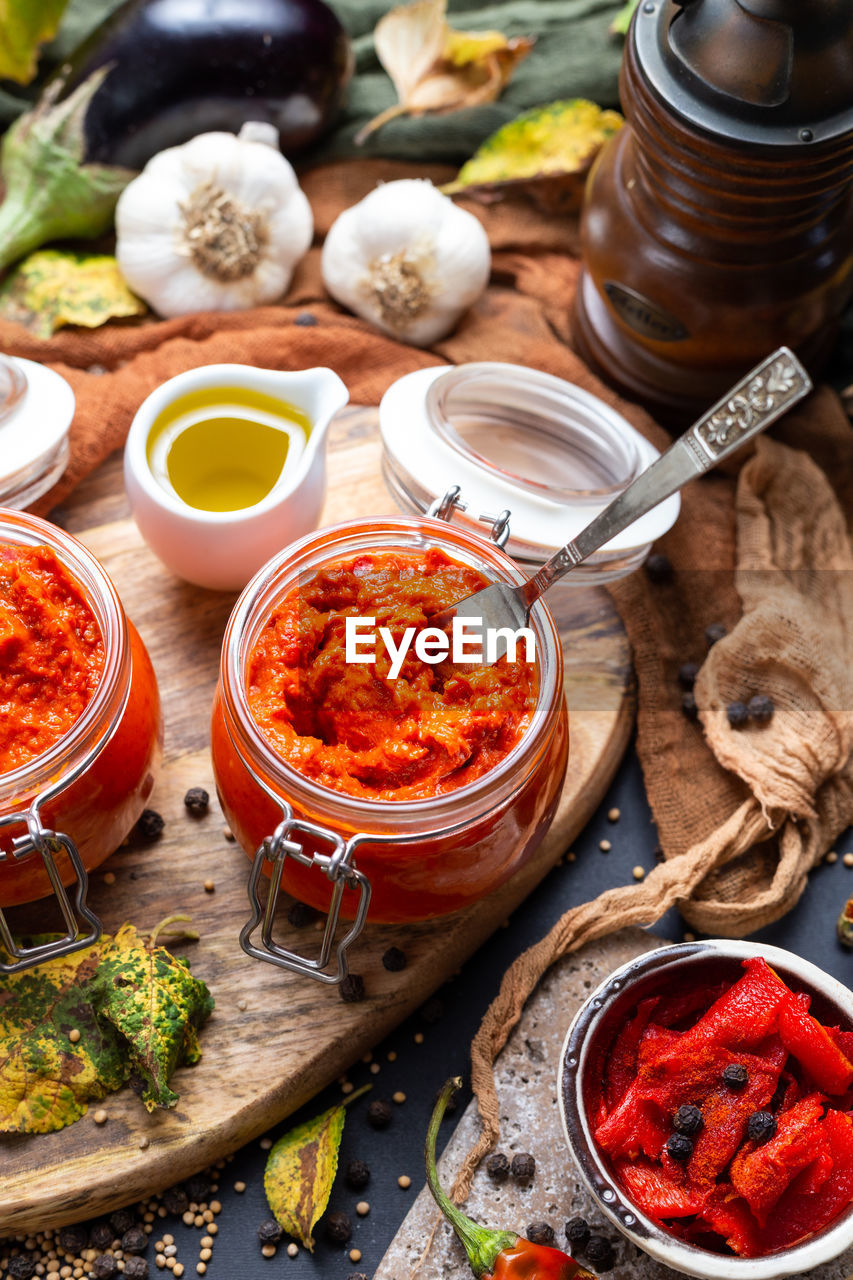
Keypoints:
(222, 550)
(599, 1016)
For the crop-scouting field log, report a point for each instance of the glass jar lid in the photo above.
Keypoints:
(36, 408)
(513, 437)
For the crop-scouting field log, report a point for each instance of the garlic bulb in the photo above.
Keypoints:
(217, 224)
(407, 259)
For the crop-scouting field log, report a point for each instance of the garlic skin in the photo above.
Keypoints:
(217, 224)
(407, 259)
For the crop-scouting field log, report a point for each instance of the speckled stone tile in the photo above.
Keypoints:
(530, 1121)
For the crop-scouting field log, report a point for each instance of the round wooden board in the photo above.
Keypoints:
(274, 1039)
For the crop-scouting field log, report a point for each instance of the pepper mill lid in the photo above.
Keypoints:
(769, 72)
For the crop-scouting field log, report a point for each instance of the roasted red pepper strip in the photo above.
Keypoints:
(657, 1191)
(728, 1216)
(745, 1015)
(621, 1063)
(799, 1213)
(813, 1047)
(761, 1173)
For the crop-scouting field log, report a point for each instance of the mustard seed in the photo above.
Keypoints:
(239, 1187)
(404, 1181)
(100, 1116)
(362, 1208)
(206, 1242)
(178, 1269)
(206, 1255)
(265, 1144)
(639, 873)
(74, 1035)
(209, 886)
(831, 858)
(201, 1267)
(160, 1260)
(605, 846)
(614, 814)
(392, 1053)
(399, 1096)
(418, 1037)
(355, 1255)
(848, 859)
(292, 1249)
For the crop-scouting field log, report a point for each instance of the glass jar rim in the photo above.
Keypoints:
(75, 749)
(376, 816)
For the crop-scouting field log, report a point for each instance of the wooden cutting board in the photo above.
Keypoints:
(274, 1039)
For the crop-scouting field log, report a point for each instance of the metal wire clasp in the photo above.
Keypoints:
(75, 910)
(339, 868)
(443, 508)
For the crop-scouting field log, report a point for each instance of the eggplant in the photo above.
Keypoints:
(183, 67)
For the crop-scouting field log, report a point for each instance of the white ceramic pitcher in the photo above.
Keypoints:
(223, 549)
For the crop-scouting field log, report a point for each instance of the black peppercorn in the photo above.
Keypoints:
(658, 568)
(351, 990)
(299, 914)
(134, 1241)
(523, 1166)
(687, 1120)
(176, 1201)
(679, 1147)
(713, 633)
(687, 673)
(737, 714)
(735, 1076)
(305, 319)
(21, 1267)
(198, 1188)
(577, 1233)
(379, 1114)
(761, 708)
(270, 1232)
(394, 959)
(599, 1251)
(688, 706)
(432, 1011)
(101, 1236)
(357, 1174)
(104, 1267)
(150, 825)
(497, 1167)
(196, 801)
(540, 1233)
(73, 1239)
(761, 1126)
(338, 1228)
(122, 1220)
(135, 1268)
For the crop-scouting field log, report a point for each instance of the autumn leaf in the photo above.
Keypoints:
(137, 1009)
(50, 289)
(620, 24)
(150, 998)
(25, 25)
(545, 153)
(45, 1080)
(434, 68)
(301, 1168)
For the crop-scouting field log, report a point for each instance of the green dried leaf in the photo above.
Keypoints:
(51, 288)
(301, 1168)
(119, 994)
(25, 25)
(151, 999)
(545, 153)
(51, 194)
(620, 24)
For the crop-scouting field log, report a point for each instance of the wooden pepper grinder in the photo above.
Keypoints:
(719, 222)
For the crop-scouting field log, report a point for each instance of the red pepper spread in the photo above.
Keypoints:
(725, 1112)
(51, 653)
(347, 725)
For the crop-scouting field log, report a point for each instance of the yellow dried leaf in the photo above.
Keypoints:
(300, 1171)
(24, 26)
(545, 153)
(51, 288)
(434, 68)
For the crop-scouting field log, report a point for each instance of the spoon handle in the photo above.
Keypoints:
(763, 395)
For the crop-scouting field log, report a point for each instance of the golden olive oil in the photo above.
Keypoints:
(225, 448)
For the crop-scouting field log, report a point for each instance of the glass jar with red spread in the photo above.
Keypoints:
(346, 792)
(80, 733)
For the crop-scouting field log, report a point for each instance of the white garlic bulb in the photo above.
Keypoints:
(217, 224)
(407, 259)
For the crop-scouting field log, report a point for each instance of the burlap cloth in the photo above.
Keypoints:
(742, 815)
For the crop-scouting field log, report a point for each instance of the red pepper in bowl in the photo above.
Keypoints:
(494, 1255)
